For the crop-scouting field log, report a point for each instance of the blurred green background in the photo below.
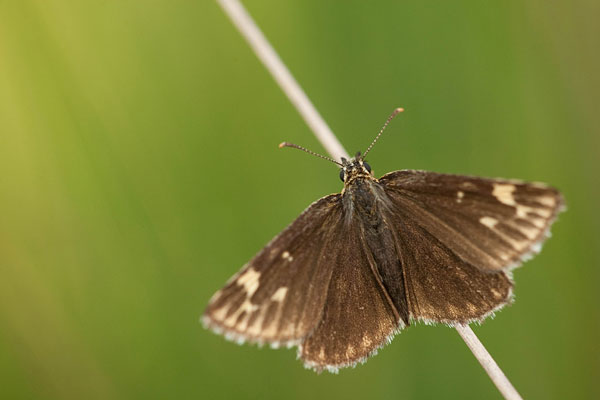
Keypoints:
(139, 170)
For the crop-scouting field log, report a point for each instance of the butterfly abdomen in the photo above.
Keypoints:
(367, 204)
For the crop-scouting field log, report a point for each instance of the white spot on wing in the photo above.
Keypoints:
(537, 222)
(453, 309)
(488, 221)
(531, 233)
(504, 193)
(350, 351)
(249, 280)
(459, 196)
(220, 314)
(246, 307)
(518, 245)
(522, 211)
(279, 295)
(256, 327)
(287, 256)
(366, 341)
(547, 201)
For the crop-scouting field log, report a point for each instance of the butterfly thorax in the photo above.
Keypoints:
(362, 196)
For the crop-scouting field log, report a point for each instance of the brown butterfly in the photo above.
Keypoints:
(358, 266)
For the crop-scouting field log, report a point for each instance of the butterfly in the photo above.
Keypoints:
(358, 266)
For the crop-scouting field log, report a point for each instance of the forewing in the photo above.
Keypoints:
(359, 317)
(492, 224)
(278, 297)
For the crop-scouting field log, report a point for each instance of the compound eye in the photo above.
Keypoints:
(342, 174)
(367, 166)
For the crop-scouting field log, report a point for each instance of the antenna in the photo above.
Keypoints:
(391, 117)
(295, 146)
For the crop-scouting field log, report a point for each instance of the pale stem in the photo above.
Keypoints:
(265, 52)
(488, 363)
(282, 75)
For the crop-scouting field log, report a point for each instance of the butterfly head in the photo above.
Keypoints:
(354, 168)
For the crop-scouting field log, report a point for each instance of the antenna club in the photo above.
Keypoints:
(398, 110)
(282, 145)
